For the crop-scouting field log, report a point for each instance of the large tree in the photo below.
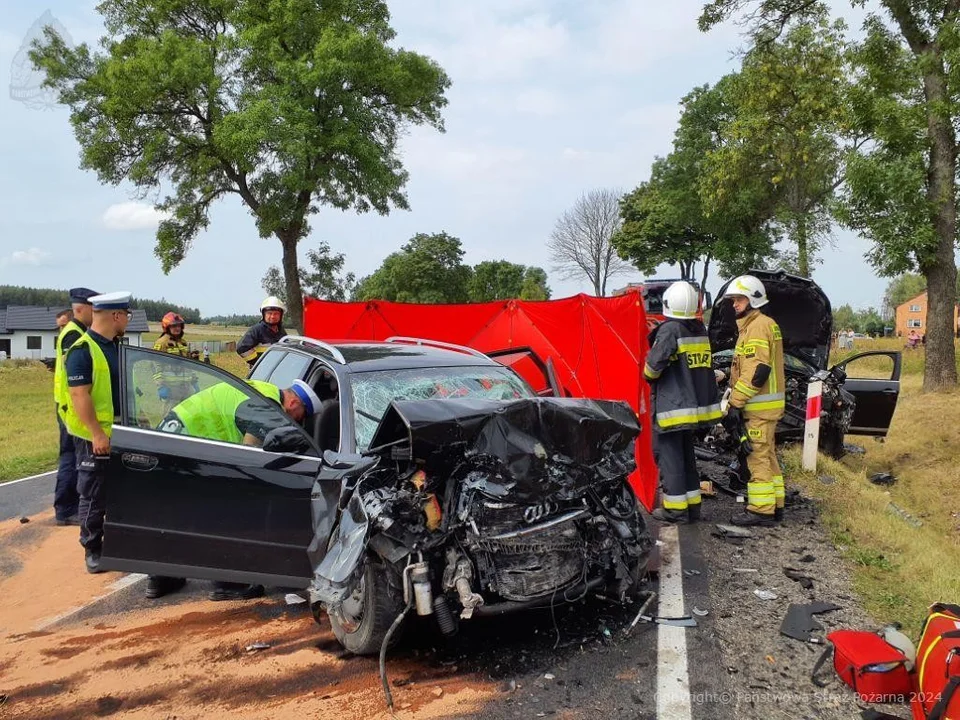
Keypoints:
(580, 244)
(903, 188)
(789, 133)
(427, 269)
(323, 279)
(291, 105)
(503, 280)
(666, 220)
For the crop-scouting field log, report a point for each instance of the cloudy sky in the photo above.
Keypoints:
(550, 98)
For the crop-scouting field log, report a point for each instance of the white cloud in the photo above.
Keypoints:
(539, 102)
(31, 256)
(131, 216)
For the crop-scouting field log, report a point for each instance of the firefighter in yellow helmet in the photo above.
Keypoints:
(265, 333)
(757, 401)
(174, 384)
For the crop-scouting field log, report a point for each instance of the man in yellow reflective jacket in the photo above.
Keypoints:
(757, 401)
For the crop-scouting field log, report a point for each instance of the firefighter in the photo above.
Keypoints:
(66, 498)
(92, 373)
(679, 368)
(174, 382)
(757, 401)
(265, 333)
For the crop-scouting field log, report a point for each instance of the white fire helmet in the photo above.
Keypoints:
(273, 303)
(750, 287)
(680, 301)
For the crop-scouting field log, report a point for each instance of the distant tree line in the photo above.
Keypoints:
(48, 297)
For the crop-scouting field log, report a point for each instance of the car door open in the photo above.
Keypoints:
(873, 378)
(188, 495)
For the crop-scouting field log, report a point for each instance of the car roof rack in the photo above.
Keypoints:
(436, 344)
(302, 341)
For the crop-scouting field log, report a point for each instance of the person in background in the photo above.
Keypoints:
(265, 333)
(174, 381)
(93, 377)
(73, 323)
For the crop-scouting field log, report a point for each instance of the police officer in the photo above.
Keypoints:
(685, 397)
(222, 412)
(93, 378)
(174, 382)
(66, 499)
(265, 333)
(757, 401)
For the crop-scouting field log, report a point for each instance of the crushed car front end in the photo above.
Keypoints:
(472, 507)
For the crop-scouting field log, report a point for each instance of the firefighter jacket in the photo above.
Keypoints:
(256, 341)
(756, 377)
(679, 368)
(175, 376)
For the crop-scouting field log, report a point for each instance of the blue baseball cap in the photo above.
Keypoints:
(82, 295)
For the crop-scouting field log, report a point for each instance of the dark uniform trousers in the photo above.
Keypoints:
(673, 452)
(65, 496)
(91, 470)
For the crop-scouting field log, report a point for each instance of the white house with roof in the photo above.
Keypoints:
(29, 331)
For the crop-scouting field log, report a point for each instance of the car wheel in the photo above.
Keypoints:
(361, 622)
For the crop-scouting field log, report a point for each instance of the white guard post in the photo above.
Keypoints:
(811, 430)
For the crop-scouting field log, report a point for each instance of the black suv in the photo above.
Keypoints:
(430, 477)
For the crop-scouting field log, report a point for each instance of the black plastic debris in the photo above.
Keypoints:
(826, 479)
(732, 533)
(24, 520)
(799, 623)
(852, 449)
(883, 479)
(798, 576)
(808, 558)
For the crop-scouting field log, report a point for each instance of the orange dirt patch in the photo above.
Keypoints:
(188, 660)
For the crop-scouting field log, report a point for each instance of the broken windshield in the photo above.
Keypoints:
(374, 391)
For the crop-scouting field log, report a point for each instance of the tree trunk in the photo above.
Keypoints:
(703, 278)
(293, 320)
(940, 371)
(803, 249)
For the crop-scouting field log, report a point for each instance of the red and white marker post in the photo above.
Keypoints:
(811, 429)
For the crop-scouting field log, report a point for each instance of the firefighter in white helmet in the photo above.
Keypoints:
(679, 369)
(265, 333)
(757, 401)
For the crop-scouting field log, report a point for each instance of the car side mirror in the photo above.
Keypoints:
(286, 439)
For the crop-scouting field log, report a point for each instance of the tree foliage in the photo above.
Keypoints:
(323, 279)
(902, 288)
(580, 243)
(901, 187)
(665, 220)
(503, 280)
(427, 269)
(290, 105)
(789, 133)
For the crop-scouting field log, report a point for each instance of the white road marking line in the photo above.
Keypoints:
(673, 680)
(32, 477)
(112, 589)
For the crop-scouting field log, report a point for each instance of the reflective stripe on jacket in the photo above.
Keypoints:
(679, 368)
(759, 343)
(61, 392)
(100, 392)
(211, 413)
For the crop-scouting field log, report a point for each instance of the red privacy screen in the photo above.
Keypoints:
(597, 346)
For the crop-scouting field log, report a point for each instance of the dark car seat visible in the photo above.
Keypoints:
(326, 426)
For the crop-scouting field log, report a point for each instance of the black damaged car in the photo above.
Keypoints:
(859, 394)
(431, 479)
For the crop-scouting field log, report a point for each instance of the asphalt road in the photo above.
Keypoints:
(577, 661)
(22, 498)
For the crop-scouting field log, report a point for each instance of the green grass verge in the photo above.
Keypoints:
(29, 437)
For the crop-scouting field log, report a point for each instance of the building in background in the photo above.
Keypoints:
(912, 315)
(29, 332)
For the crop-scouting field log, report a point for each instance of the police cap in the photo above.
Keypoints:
(111, 301)
(82, 295)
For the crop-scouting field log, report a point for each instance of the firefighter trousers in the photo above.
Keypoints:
(764, 477)
(677, 463)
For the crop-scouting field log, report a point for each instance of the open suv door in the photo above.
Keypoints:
(873, 378)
